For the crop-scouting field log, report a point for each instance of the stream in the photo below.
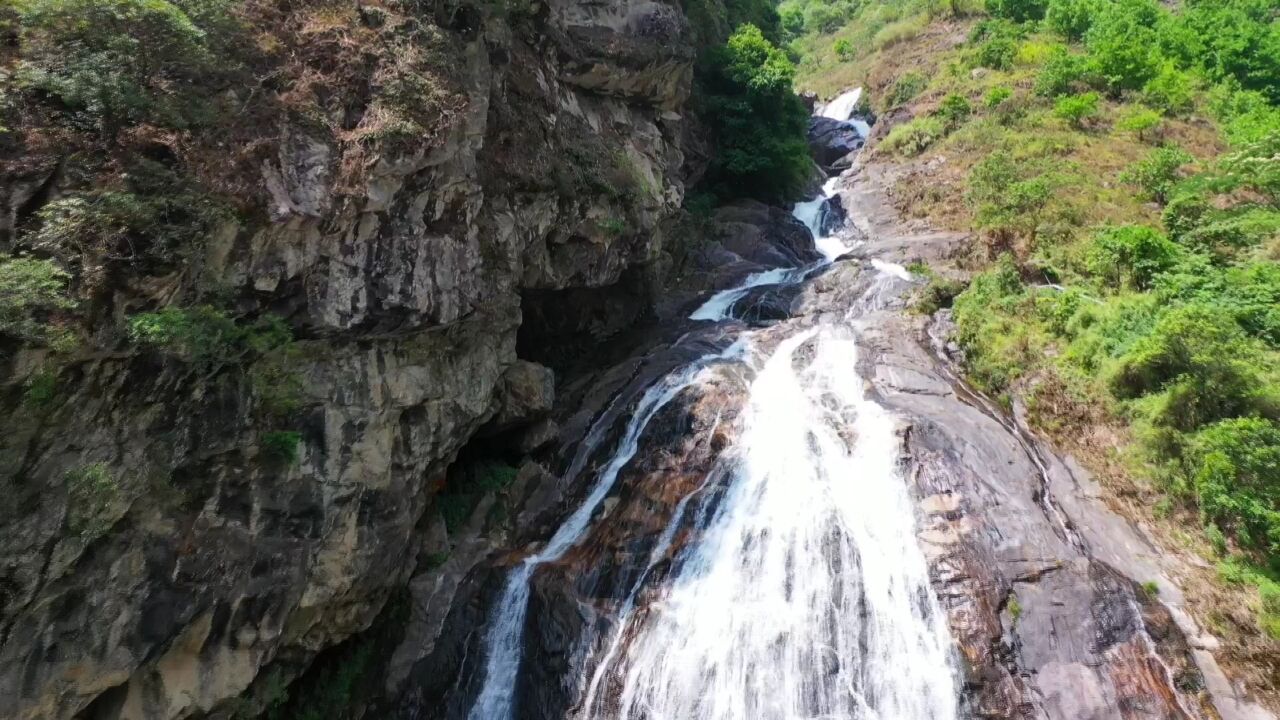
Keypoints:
(814, 519)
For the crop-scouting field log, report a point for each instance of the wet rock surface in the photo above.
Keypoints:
(1041, 584)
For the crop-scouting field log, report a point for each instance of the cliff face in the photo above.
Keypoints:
(160, 555)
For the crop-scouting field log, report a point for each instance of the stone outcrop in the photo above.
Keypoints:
(174, 548)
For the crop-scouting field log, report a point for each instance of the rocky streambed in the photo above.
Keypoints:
(816, 518)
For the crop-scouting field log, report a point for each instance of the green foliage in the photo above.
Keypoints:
(914, 137)
(1151, 588)
(1002, 197)
(1077, 110)
(41, 389)
(1131, 256)
(1234, 467)
(206, 336)
(906, 87)
(1255, 167)
(1071, 18)
(277, 383)
(156, 216)
(31, 291)
(954, 111)
(93, 494)
(1268, 586)
(1246, 116)
(996, 96)
(757, 121)
(281, 446)
(1171, 90)
(1156, 174)
(996, 44)
(1122, 44)
(1017, 10)
(118, 61)
(1195, 366)
(613, 226)
(1062, 73)
(939, 293)
(1143, 122)
(1015, 607)
(1236, 40)
(843, 48)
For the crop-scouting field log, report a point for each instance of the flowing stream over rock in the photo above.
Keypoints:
(810, 517)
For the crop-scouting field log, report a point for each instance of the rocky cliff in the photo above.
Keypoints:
(177, 541)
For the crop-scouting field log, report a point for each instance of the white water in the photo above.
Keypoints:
(807, 596)
(842, 109)
(503, 641)
(720, 306)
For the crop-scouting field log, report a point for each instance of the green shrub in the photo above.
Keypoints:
(1171, 90)
(1077, 110)
(906, 87)
(996, 96)
(912, 138)
(31, 290)
(41, 389)
(1198, 365)
(1156, 174)
(1131, 256)
(1246, 116)
(1002, 198)
(996, 52)
(1143, 122)
(118, 61)
(1122, 44)
(1255, 166)
(281, 446)
(939, 293)
(1062, 73)
(1071, 18)
(758, 122)
(206, 336)
(953, 111)
(1238, 41)
(1226, 231)
(843, 48)
(157, 216)
(1017, 10)
(1235, 472)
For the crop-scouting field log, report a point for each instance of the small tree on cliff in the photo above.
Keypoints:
(757, 122)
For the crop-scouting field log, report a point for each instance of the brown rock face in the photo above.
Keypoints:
(213, 561)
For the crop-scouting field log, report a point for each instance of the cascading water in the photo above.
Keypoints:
(803, 593)
(807, 595)
(812, 214)
(506, 625)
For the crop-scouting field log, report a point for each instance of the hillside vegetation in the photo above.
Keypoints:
(1118, 162)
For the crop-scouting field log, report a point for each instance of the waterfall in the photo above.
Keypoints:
(807, 595)
(842, 109)
(810, 212)
(504, 638)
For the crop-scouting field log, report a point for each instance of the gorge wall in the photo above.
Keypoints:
(162, 557)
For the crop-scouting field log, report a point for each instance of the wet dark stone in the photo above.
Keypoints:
(831, 140)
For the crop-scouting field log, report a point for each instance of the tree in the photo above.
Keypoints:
(1123, 48)
(1156, 174)
(1071, 18)
(757, 121)
(117, 61)
(30, 289)
(1077, 109)
(1017, 10)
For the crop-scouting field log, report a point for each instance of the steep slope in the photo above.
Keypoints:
(198, 514)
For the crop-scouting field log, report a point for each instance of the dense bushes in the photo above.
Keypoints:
(119, 61)
(757, 121)
(30, 291)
